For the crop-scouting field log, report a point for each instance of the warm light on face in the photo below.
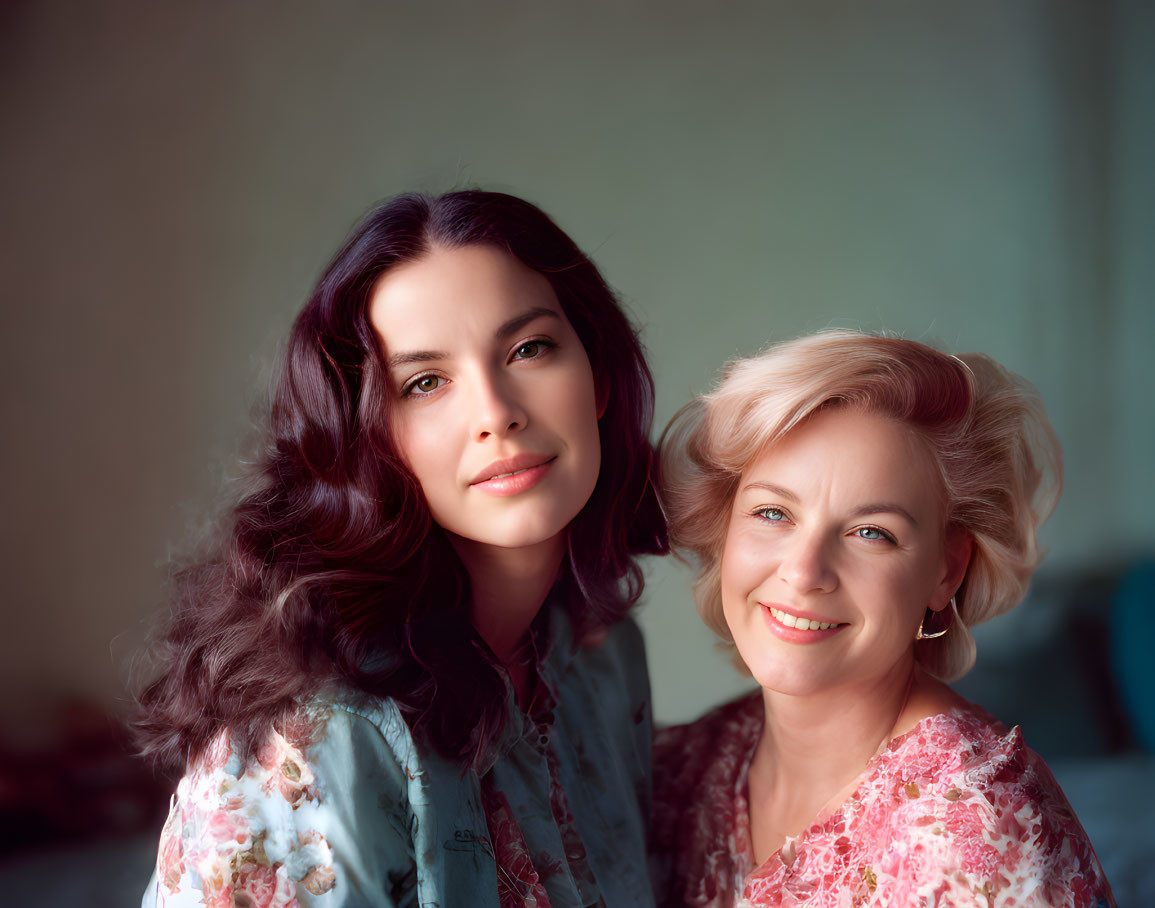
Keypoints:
(834, 550)
(494, 410)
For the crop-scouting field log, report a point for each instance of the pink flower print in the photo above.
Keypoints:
(287, 770)
(518, 883)
(217, 754)
(227, 826)
(957, 812)
(259, 886)
(320, 878)
(170, 856)
(215, 889)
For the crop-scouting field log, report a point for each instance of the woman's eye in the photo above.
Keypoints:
(774, 514)
(532, 349)
(873, 534)
(424, 385)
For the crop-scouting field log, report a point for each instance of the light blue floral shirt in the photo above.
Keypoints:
(358, 815)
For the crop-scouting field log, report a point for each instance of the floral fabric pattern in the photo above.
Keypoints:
(222, 836)
(520, 879)
(518, 882)
(957, 812)
(346, 810)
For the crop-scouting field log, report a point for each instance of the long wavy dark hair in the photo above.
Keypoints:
(331, 569)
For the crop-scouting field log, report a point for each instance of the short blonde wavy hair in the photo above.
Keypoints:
(1000, 463)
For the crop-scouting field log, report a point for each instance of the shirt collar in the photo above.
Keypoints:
(554, 650)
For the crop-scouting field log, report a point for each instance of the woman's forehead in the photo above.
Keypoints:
(448, 295)
(850, 455)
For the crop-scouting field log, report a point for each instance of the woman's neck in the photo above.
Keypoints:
(509, 587)
(814, 748)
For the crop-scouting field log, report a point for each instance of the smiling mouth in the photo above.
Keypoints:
(511, 466)
(514, 473)
(513, 476)
(801, 624)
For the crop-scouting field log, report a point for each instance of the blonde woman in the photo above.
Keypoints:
(854, 504)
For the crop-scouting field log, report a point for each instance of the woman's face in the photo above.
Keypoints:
(835, 549)
(495, 410)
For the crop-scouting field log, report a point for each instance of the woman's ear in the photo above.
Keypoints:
(959, 545)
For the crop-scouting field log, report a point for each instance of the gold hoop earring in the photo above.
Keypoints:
(924, 634)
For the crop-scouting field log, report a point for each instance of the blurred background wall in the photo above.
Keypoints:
(174, 176)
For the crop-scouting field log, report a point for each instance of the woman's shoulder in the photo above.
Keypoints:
(698, 768)
(961, 753)
(335, 730)
(336, 710)
(274, 809)
(734, 725)
(964, 744)
(336, 720)
(963, 731)
(963, 792)
(701, 761)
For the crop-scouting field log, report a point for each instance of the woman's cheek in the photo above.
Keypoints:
(747, 561)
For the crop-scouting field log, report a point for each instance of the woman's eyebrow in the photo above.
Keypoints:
(416, 356)
(512, 326)
(518, 322)
(881, 507)
(770, 487)
(884, 507)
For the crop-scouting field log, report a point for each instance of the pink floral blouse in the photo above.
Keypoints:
(956, 812)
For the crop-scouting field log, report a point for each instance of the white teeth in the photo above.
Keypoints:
(503, 475)
(802, 624)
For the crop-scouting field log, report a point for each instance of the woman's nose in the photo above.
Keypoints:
(498, 409)
(807, 564)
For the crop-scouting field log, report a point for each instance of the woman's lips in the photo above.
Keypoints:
(796, 627)
(513, 475)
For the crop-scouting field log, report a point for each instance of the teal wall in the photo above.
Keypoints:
(175, 175)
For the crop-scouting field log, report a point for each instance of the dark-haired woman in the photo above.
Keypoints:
(405, 676)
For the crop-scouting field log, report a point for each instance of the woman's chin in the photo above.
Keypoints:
(784, 681)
